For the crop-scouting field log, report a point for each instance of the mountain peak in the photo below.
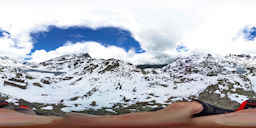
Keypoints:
(78, 82)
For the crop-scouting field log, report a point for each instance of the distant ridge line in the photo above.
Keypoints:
(145, 66)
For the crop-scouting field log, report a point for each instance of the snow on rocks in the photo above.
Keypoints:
(81, 83)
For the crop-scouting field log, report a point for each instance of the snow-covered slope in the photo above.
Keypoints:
(81, 83)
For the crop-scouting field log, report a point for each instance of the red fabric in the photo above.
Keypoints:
(4, 103)
(242, 106)
(24, 107)
(252, 104)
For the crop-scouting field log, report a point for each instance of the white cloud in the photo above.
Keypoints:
(158, 25)
(222, 31)
(9, 47)
(96, 50)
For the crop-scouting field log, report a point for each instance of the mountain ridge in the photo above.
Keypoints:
(81, 83)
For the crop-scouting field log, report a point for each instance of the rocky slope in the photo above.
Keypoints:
(97, 86)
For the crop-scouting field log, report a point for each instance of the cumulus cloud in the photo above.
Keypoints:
(96, 50)
(222, 32)
(160, 26)
(15, 48)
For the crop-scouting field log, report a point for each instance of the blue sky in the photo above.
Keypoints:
(2, 33)
(181, 48)
(56, 37)
(250, 33)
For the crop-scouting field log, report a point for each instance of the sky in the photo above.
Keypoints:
(107, 36)
(1, 33)
(144, 31)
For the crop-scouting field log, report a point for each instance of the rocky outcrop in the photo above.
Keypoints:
(98, 86)
(13, 84)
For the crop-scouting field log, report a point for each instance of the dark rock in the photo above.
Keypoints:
(212, 73)
(15, 85)
(110, 66)
(38, 85)
(45, 81)
(75, 98)
(67, 78)
(17, 80)
(93, 103)
(145, 66)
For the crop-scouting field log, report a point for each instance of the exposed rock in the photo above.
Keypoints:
(93, 103)
(123, 88)
(151, 66)
(38, 85)
(67, 78)
(45, 81)
(17, 80)
(9, 83)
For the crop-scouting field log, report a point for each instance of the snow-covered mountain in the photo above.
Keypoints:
(80, 83)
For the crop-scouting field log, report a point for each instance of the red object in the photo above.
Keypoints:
(242, 106)
(24, 107)
(252, 104)
(4, 103)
